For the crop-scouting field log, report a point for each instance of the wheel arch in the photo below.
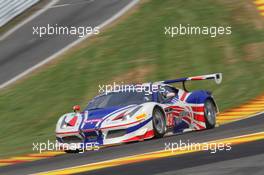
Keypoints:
(200, 96)
(152, 105)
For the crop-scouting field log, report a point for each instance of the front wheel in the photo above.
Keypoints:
(210, 114)
(159, 123)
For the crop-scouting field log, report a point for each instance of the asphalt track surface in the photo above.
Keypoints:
(203, 161)
(22, 50)
(244, 159)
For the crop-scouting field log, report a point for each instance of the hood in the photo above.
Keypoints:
(98, 115)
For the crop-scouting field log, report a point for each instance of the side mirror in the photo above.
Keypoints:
(170, 95)
(76, 108)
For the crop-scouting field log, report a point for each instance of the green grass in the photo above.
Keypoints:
(30, 109)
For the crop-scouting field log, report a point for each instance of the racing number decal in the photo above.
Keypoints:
(175, 116)
(170, 119)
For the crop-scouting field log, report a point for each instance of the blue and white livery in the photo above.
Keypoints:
(127, 116)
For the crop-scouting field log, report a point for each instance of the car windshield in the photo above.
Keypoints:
(118, 99)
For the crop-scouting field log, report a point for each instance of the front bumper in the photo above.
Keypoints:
(109, 135)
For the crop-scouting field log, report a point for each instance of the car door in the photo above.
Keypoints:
(177, 113)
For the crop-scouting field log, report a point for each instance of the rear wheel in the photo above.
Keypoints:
(159, 123)
(210, 113)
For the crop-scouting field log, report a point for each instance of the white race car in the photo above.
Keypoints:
(134, 115)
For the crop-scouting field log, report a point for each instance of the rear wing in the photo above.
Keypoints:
(217, 77)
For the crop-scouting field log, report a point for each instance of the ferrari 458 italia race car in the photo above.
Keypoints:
(126, 116)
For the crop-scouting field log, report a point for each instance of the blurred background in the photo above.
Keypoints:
(135, 49)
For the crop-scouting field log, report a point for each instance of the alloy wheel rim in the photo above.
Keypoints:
(158, 121)
(210, 113)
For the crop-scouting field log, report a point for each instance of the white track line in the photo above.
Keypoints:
(28, 19)
(52, 57)
(65, 5)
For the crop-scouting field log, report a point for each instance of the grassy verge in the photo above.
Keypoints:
(136, 49)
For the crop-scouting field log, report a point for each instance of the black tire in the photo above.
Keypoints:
(210, 113)
(159, 122)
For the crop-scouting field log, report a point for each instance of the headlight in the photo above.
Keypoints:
(67, 120)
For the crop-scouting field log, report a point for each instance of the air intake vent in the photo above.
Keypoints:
(115, 133)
